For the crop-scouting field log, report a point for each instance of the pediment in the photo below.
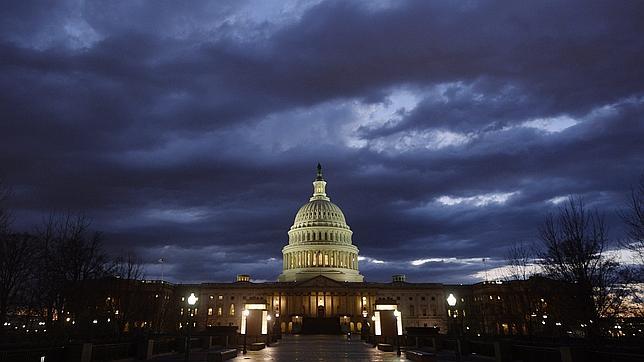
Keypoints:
(320, 281)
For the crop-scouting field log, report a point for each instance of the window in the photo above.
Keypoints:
(221, 297)
(425, 312)
(232, 309)
(232, 297)
(209, 311)
(411, 298)
(422, 298)
(397, 298)
(183, 299)
(181, 311)
(212, 297)
(219, 311)
(411, 310)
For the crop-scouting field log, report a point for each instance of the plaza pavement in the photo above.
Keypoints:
(317, 348)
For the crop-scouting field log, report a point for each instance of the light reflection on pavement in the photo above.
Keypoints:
(319, 348)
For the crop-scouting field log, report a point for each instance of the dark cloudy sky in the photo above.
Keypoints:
(190, 130)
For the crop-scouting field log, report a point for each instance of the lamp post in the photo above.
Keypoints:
(451, 301)
(398, 317)
(373, 328)
(246, 313)
(192, 300)
(268, 330)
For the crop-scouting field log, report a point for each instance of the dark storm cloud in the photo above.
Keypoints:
(189, 131)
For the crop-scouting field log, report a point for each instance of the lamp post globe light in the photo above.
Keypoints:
(451, 301)
(192, 301)
(245, 315)
(373, 329)
(268, 330)
(398, 317)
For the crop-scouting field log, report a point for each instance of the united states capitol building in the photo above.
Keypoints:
(321, 280)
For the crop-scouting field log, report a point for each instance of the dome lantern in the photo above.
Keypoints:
(319, 187)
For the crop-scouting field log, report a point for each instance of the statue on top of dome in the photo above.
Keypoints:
(319, 178)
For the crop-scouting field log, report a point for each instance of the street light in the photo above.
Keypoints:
(268, 329)
(398, 317)
(451, 301)
(373, 328)
(192, 300)
(245, 313)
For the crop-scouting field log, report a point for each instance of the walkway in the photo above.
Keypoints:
(319, 348)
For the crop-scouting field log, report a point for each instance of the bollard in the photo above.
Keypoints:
(86, 352)
(566, 354)
(502, 352)
(463, 346)
(150, 350)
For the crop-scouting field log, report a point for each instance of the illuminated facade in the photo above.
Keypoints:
(320, 281)
(319, 242)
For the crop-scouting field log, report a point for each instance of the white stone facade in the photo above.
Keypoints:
(320, 241)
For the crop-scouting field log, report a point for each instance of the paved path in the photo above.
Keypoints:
(319, 348)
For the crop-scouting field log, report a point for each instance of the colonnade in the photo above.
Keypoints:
(318, 235)
(321, 258)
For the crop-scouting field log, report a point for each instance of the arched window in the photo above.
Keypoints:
(232, 309)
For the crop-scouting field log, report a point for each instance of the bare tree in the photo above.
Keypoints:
(128, 266)
(69, 253)
(128, 290)
(633, 217)
(5, 216)
(16, 268)
(574, 244)
(520, 261)
(16, 258)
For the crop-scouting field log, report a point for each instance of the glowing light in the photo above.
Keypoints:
(377, 323)
(386, 307)
(192, 299)
(451, 300)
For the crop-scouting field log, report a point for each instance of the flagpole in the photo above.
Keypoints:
(161, 261)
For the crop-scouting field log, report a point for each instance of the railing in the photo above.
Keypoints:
(164, 345)
(605, 356)
(54, 354)
(528, 353)
(481, 347)
(109, 352)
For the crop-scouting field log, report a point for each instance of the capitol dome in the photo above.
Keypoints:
(319, 242)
